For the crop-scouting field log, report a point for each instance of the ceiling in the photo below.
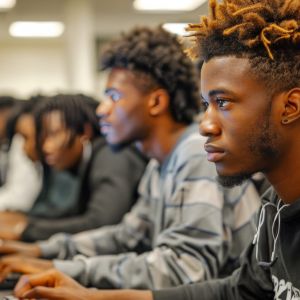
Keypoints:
(110, 16)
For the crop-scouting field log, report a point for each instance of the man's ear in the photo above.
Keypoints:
(291, 111)
(158, 102)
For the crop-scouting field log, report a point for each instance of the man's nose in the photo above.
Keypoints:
(209, 125)
(104, 108)
(47, 146)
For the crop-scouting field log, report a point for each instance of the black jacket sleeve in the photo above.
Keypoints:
(112, 187)
(250, 282)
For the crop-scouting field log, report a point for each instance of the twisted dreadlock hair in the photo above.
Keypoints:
(156, 58)
(76, 111)
(267, 32)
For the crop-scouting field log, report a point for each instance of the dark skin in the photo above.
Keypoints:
(16, 247)
(58, 154)
(57, 151)
(22, 264)
(241, 116)
(136, 116)
(26, 127)
(41, 287)
(13, 223)
(234, 111)
(143, 118)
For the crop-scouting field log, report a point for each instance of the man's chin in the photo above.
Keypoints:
(115, 147)
(231, 181)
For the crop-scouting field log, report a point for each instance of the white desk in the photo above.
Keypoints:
(5, 293)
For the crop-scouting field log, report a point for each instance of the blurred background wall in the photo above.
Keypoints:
(69, 62)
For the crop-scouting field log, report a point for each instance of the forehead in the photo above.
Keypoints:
(127, 81)
(53, 120)
(118, 78)
(230, 74)
(25, 123)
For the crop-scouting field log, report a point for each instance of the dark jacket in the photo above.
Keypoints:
(107, 188)
(260, 276)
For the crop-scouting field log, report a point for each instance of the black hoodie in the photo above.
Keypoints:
(260, 276)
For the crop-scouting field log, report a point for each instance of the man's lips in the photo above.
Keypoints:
(50, 159)
(104, 127)
(214, 154)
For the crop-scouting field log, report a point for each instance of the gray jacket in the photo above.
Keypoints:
(262, 276)
(183, 229)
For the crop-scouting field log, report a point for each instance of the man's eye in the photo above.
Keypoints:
(205, 104)
(115, 96)
(221, 102)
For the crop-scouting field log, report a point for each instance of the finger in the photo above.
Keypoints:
(4, 248)
(22, 286)
(5, 271)
(41, 292)
(27, 282)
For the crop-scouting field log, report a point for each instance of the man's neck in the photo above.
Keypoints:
(285, 178)
(161, 142)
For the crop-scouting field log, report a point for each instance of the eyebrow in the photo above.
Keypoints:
(110, 90)
(213, 93)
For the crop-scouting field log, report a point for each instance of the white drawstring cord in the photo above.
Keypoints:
(260, 224)
(277, 216)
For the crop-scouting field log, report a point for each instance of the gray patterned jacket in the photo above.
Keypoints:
(184, 228)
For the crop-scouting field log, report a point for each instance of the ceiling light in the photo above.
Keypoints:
(176, 28)
(167, 5)
(36, 29)
(7, 4)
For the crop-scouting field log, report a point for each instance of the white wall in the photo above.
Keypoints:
(68, 63)
(29, 67)
(48, 66)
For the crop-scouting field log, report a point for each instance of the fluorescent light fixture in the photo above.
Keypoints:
(36, 29)
(167, 5)
(7, 4)
(176, 28)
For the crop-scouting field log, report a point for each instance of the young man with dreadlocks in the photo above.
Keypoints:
(250, 84)
(85, 184)
(184, 227)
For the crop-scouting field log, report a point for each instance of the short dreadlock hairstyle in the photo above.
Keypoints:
(267, 32)
(7, 102)
(76, 111)
(157, 60)
(20, 109)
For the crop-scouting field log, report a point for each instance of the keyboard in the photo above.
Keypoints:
(10, 281)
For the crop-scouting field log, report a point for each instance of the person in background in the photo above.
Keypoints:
(101, 190)
(184, 227)
(6, 105)
(23, 179)
(250, 84)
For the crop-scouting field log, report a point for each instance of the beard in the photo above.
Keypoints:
(231, 181)
(263, 141)
(119, 147)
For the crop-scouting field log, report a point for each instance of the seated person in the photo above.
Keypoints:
(251, 86)
(105, 182)
(184, 227)
(23, 178)
(7, 104)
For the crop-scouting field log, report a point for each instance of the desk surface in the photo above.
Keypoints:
(5, 293)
